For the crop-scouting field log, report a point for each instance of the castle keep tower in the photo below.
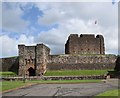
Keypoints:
(85, 44)
(32, 59)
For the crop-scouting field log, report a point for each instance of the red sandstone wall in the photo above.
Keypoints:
(9, 64)
(85, 44)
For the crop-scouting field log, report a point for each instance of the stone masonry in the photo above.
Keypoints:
(81, 62)
(85, 44)
(33, 59)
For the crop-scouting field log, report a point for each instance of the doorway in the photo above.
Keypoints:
(31, 71)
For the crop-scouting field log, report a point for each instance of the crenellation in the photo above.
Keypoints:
(87, 36)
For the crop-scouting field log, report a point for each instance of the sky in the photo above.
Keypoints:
(51, 23)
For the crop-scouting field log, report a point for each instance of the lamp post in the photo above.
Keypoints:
(24, 75)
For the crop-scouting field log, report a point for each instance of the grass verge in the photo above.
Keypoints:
(75, 72)
(115, 92)
(7, 85)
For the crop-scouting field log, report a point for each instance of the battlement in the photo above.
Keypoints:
(73, 35)
(84, 36)
(90, 36)
(87, 36)
(85, 44)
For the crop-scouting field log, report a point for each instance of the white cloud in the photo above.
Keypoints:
(105, 13)
(79, 18)
(12, 18)
(27, 40)
(70, 17)
(111, 39)
(56, 38)
(10, 45)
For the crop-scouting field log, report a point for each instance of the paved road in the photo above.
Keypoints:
(82, 89)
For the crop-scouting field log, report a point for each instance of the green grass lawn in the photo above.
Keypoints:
(7, 85)
(110, 93)
(75, 72)
(64, 73)
(7, 74)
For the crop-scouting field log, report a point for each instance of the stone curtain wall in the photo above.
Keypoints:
(68, 62)
(9, 64)
(80, 62)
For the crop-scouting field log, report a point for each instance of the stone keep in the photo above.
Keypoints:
(32, 59)
(85, 44)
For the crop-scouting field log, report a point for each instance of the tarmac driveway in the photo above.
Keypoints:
(81, 89)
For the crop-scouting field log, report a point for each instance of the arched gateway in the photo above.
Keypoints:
(31, 71)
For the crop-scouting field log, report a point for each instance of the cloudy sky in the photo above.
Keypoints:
(51, 23)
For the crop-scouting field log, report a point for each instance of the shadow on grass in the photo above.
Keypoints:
(114, 74)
